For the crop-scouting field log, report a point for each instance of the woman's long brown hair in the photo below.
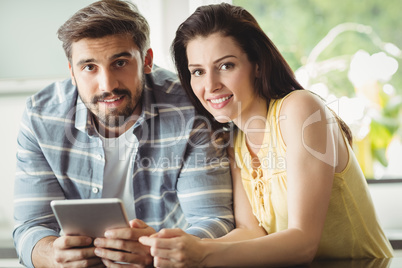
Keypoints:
(277, 78)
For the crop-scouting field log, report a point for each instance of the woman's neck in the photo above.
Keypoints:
(253, 123)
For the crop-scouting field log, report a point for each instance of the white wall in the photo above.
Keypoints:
(29, 45)
(387, 200)
(164, 16)
(30, 49)
(10, 111)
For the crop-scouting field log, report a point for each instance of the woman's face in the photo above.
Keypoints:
(222, 77)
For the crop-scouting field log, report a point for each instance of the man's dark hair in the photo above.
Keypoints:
(104, 18)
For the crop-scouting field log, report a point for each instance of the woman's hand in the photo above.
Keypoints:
(175, 248)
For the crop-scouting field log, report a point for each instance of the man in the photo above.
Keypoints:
(120, 127)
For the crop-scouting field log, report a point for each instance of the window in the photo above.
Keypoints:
(350, 54)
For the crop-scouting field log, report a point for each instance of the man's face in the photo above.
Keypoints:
(109, 74)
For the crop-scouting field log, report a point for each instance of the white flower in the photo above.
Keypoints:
(365, 68)
(354, 113)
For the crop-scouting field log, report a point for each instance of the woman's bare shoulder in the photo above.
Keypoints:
(301, 101)
(297, 110)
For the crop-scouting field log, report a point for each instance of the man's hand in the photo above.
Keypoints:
(65, 251)
(121, 245)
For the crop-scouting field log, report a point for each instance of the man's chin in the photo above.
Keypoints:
(113, 121)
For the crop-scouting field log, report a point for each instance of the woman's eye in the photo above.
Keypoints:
(227, 66)
(196, 72)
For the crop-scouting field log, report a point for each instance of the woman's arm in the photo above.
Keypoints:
(312, 142)
(247, 226)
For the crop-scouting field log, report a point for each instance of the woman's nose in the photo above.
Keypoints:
(212, 82)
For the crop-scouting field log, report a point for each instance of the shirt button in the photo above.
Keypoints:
(95, 190)
(254, 174)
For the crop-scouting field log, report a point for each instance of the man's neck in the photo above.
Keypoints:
(113, 132)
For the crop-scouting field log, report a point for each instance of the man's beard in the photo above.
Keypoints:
(116, 117)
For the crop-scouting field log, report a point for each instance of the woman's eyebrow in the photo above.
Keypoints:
(215, 61)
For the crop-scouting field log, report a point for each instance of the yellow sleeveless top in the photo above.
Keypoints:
(351, 228)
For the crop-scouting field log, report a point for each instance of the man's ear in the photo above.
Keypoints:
(71, 74)
(148, 61)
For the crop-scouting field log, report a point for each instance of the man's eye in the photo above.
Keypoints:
(89, 67)
(121, 63)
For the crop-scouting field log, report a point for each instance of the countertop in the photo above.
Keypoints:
(8, 259)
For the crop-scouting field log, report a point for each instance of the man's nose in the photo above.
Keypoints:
(107, 81)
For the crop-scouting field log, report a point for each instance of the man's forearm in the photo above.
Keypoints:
(43, 253)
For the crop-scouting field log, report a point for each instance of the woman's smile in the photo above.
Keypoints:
(220, 101)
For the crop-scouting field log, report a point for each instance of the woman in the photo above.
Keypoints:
(294, 166)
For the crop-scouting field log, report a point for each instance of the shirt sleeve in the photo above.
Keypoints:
(205, 186)
(35, 186)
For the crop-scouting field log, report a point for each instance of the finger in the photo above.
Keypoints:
(108, 263)
(154, 235)
(128, 233)
(137, 223)
(165, 263)
(121, 256)
(65, 242)
(73, 255)
(164, 233)
(147, 240)
(111, 264)
(168, 233)
(123, 245)
(160, 243)
(161, 253)
(92, 262)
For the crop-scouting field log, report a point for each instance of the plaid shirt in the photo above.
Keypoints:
(179, 178)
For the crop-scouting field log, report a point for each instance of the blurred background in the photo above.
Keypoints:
(349, 52)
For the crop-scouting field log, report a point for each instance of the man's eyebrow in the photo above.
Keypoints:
(85, 61)
(215, 61)
(115, 56)
(122, 54)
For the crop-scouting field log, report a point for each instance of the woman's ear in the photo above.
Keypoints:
(148, 61)
(257, 71)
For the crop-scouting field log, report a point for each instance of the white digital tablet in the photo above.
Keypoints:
(89, 217)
